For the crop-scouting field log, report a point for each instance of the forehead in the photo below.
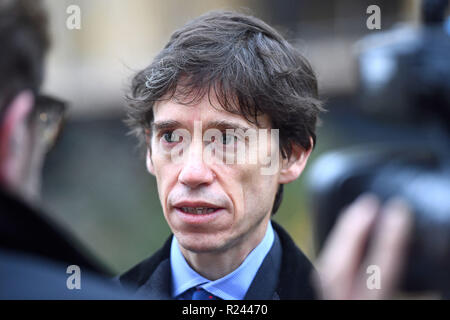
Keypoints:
(207, 110)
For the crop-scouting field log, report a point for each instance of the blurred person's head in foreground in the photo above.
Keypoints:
(24, 116)
(225, 86)
(35, 251)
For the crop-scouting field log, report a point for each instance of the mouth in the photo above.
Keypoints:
(195, 212)
(198, 210)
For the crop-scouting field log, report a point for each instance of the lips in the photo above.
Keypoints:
(197, 207)
(198, 212)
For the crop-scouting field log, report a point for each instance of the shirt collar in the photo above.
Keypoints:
(233, 286)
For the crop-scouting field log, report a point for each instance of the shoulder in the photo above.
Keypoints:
(29, 277)
(30, 230)
(140, 273)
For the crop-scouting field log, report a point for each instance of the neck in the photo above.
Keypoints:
(215, 265)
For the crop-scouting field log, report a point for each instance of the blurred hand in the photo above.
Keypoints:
(344, 269)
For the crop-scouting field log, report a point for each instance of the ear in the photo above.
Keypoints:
(149, 163)
(294, 165)
(11, 133)
(15, 114)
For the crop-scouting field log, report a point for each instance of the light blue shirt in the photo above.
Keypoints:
(233, 286)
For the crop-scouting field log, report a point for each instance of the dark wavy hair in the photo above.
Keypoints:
(24, 41)
(246, 64)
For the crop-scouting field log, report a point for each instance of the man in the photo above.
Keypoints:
(229, 74)
(35, 253)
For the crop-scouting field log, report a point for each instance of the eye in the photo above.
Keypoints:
(171, 137)
(228, 138)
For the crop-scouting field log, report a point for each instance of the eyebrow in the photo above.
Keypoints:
(219, 124)
(166, 124)
(225, 124)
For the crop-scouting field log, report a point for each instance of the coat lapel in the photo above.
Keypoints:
(295, 280)
(158, 286)
(264, 285)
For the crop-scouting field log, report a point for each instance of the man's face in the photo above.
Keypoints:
(238, 196)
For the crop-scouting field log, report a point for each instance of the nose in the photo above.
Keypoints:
(195, 171)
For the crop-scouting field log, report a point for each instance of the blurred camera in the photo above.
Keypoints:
(405, 85)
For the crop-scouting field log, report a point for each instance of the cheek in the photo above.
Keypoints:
(165, 174)
(160, 160)
(251, 192)
(259, 191)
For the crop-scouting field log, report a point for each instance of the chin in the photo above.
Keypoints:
(201, 243)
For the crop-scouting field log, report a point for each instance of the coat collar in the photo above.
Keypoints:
(296, 271)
